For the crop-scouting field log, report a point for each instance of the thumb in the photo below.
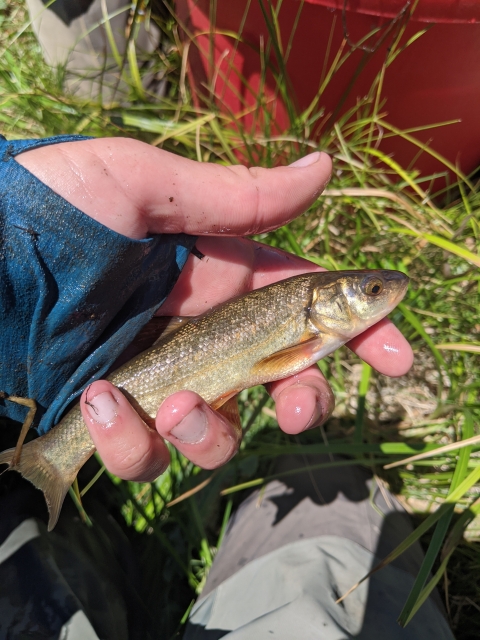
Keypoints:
(173, 194)
(136, 189)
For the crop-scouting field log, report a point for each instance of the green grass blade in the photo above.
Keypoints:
(430, 151)
(201, 530)
(134, 70)
(417, 325)
(92, 481)
(432, 519)
(396, 168)
(323, 465)
(223, 141)
(464, 456)
(362, 394)
(408, 613)
(419, 593)
(226, 518)
(427, 564)
(76, 497)
(292, 241)
(110, 36)
(346, 448)
(461, 252)
(453, 540)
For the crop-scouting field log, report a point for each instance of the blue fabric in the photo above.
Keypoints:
(73, 294)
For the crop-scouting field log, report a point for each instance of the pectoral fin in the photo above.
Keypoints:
(288, 361)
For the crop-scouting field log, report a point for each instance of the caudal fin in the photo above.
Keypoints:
(42, 474)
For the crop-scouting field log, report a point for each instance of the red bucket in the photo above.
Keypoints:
(435, 79)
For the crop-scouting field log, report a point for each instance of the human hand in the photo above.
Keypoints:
(138, 190)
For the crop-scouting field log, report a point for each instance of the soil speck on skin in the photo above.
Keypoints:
(170, 199)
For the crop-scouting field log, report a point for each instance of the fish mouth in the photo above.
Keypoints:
(398, 282)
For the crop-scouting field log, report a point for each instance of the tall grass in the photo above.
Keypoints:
(374, 214)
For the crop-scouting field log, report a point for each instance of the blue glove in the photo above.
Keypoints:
(73, 293)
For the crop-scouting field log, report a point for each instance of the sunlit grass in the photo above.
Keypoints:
(374, 214)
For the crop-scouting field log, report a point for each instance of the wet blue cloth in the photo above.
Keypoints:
(73, 294)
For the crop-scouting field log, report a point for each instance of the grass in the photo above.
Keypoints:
(374, 214)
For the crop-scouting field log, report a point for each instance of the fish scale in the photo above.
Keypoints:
(181, 359)
(265, 335)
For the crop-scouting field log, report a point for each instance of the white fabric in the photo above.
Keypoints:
(291, 593)
(18, 537)
(78, 628)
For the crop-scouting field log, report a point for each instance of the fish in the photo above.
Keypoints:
(265, 335)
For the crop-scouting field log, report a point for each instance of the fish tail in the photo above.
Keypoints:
(43, 474)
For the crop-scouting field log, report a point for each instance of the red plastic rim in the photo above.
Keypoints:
(459, 11)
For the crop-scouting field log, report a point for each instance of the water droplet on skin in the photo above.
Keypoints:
(390, 348)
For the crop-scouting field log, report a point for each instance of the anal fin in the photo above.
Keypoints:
(229, 410)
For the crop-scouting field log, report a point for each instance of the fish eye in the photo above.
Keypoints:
(373, 286)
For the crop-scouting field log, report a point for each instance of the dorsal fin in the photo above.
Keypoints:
(171, 325)
(152, 333)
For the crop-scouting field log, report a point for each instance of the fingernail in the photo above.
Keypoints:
(324, 404)
(102, 408)
(306, 161)
(192, 428)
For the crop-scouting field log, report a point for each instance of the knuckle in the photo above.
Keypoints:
(138, 462)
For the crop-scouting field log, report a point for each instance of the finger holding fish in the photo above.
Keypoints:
(137, 189)
(203, 435)
(302, 401)
(134, 451)
(385, 348)
(128, 447)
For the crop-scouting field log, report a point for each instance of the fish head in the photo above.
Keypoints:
(345, 303)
